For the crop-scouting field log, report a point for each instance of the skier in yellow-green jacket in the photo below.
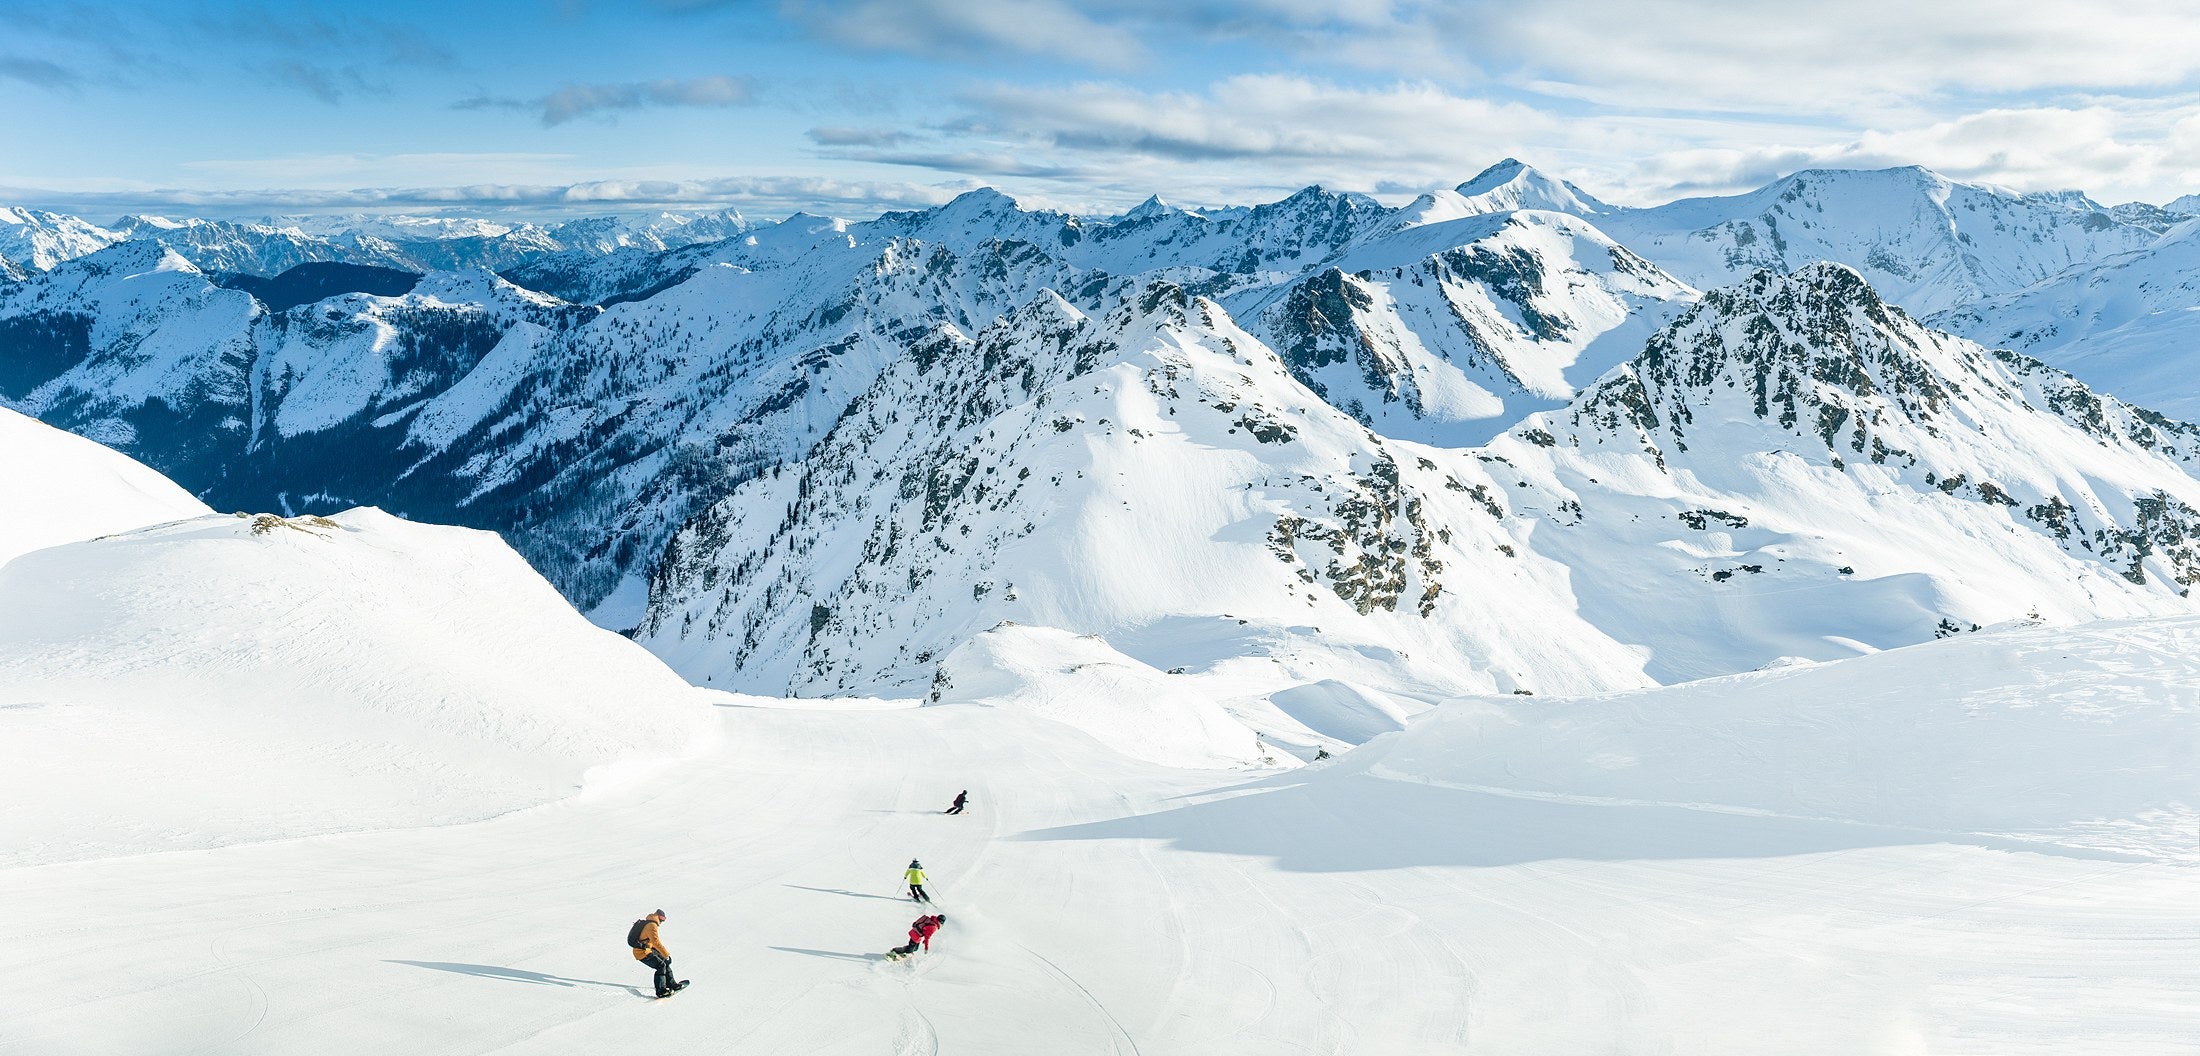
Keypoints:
(915, 876)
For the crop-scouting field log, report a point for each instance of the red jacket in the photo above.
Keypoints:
(921, 931)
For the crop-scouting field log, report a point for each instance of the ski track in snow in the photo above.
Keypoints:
(1094, 907)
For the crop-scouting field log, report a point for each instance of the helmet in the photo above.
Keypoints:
(913, 864)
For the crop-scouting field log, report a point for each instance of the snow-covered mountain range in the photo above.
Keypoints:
(1298, 592)
(2129, 322)
(1321, 437)
(40, 240)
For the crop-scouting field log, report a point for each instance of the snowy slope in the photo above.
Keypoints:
(1792, 468)
(2079, 737)
(1795, 467)
(57, 488)
(1925, 241)
(585, 434)
(2128, 325)
(1624, 892)
(1080, 681)
(225, 679)
(1155, 477)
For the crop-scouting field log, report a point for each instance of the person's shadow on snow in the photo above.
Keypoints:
(831, 954)
(850, 894)
(515, 975)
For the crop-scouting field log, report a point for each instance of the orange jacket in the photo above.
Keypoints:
(650, 940)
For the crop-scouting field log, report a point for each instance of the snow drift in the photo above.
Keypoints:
(225, 679)
(2085, 737)
(1082, 681)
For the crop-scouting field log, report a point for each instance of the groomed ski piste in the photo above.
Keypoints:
(356, 785)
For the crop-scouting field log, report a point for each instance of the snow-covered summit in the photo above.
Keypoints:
(1512, 184)
(1154, 207)
(1926, 241)
(971, 218)
(40, 240)
(1504, 187)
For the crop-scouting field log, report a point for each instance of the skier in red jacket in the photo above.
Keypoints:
(920, 934)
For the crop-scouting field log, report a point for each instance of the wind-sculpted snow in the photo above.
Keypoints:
(59, 488)
(257, 678)
(1081, 681)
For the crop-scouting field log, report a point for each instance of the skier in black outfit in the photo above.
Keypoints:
(960, 798)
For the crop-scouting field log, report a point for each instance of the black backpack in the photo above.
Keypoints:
(634, 935)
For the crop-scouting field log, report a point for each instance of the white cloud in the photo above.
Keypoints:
(361, 168)
(1833, 54)
(2113, 152)
(971, 28)
(580, 100)
(845, 136)
(1827, 57)
(1241, 137)
(763, 195)
(1243, 134)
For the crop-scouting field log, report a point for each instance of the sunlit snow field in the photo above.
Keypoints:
(1982, 845)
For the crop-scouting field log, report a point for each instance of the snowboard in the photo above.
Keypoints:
(676, 988)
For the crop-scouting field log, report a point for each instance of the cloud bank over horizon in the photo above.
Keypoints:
(858, 106)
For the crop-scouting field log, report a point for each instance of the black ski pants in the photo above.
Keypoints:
(956, 809)
(664, 972)
(916, 893)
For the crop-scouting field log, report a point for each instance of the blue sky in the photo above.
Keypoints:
(555, 107)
